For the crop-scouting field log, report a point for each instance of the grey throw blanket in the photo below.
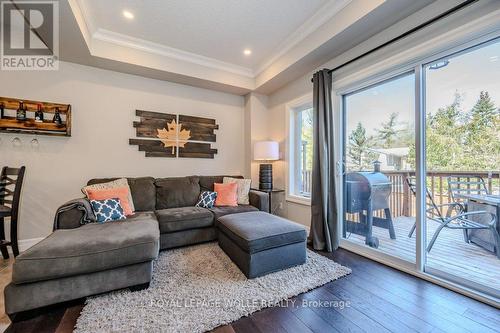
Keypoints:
(80, 204)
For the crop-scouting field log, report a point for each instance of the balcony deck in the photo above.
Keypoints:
(449, 254)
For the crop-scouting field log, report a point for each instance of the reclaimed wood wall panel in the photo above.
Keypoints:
(9, 124)
(155, 115)
(175, 135)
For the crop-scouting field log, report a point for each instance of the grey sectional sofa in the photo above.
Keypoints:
(81, 260)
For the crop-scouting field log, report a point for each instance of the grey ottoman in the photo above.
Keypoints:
(260, 243)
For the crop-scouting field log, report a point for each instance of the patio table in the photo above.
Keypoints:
(489, 203)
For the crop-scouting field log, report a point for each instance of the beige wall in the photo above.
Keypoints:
(277, 108)
(103, 104)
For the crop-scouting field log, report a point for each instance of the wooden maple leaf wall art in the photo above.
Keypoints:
(171, 135)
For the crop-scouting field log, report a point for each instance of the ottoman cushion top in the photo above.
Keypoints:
(257, 231)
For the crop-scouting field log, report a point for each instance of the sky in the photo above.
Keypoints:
(467, 74)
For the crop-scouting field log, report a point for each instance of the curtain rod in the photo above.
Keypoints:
(407, 33)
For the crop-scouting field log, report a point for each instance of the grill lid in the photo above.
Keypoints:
(372, 178)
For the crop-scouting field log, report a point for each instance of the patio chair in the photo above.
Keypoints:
(465, 184)
(460, 221)
(459, 185)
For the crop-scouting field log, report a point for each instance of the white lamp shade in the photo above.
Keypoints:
(266, 151)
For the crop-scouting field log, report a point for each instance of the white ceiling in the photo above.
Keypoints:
(218, 29)
(201, 42)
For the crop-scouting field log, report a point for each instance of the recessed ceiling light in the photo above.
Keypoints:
(128, 14)
(247, 51)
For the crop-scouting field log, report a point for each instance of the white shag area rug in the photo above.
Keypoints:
(198, 288)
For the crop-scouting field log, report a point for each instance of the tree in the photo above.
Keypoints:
(457, 140)
(307, 137)
(483, 113)
(481, 145)
(388, 133)
(359, 152)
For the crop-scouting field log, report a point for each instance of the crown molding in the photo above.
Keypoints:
(91, 33)
(81, 16)
(170, 52)
(322, 15)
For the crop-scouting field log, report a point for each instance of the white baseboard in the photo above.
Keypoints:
(25, 244)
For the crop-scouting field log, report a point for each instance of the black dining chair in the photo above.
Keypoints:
(11, 182)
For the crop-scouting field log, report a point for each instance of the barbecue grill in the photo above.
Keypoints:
(367, 192)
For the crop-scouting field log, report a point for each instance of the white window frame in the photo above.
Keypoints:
(292, 110)
(413, 59)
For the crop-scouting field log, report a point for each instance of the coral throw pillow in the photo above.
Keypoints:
(120, 193)
(227, 194)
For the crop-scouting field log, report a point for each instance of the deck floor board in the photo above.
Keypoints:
(450, 253)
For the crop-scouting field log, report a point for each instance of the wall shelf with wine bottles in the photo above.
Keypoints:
(34, 117)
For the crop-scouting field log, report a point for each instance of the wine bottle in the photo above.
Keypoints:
(57, 117)
(2, 107)
(39, 114)
(21, 112)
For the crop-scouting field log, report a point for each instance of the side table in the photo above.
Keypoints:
(270, 193)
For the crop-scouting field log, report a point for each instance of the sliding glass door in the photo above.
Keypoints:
(379, 155)
(420, 166)
(462, 97)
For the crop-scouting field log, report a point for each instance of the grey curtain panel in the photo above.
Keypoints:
(324, 233)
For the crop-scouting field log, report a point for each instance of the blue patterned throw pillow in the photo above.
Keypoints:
(207, 199)
(107, 210)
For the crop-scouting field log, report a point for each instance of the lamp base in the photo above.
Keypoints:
(266, 177)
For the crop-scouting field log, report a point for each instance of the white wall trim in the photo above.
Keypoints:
(79, 10)
(115, 38)
(91, 32)
(298, 199)
(322, 15)
(289, 162)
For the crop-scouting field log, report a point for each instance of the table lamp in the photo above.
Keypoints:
(266, 151)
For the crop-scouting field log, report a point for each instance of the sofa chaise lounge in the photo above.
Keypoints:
(78, 260)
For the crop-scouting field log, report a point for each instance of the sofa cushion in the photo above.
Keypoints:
(142, 189)
(226, 210)
(177, 192)
(90, 248)
(207, 182)
(257, 231)
(184, 218)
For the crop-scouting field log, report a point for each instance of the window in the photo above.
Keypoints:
(300, 151)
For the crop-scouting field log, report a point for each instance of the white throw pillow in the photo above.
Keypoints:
(122, 182)
(243, 189)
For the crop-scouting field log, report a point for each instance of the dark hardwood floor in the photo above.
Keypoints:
(375, 298)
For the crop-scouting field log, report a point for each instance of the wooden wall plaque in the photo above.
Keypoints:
(171, 135)
(9, 123)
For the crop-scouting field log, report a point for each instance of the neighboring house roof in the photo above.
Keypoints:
(398, 152)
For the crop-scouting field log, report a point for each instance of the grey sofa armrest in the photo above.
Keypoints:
(259, 200)
(73, 214)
